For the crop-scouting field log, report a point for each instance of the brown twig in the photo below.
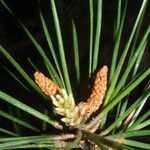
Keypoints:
(92, 122)
(63, 137)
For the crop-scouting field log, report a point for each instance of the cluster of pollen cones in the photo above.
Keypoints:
(65, 104)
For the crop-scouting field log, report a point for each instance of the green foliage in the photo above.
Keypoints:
(122, 82)
(76, 53)
(27, 109)
(99, 140)
(19, 121)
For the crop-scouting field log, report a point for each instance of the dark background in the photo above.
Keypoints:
(17, 43)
